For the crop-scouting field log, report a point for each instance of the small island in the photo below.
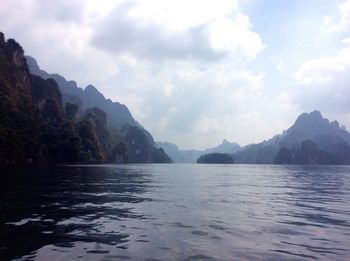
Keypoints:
(215, 158)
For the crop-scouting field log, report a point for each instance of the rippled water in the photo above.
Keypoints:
(175, 212)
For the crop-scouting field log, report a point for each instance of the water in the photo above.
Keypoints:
(175, 212)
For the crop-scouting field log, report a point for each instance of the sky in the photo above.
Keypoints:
(196, 72)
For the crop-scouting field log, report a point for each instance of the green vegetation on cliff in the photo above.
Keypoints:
(308, 154)
(35, 126)
(17, 120)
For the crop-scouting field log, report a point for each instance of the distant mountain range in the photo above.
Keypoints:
(312, 139)
(45, 118)
(191, 156)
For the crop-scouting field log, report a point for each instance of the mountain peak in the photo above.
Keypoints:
(92, 93)
(32, 63)
(2, 38)
(316, 114)
(335, 124)
(91, 88)
(312, 126)
(312, 119)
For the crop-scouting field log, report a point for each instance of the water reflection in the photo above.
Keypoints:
(61, 206)
(318, 194)
(316, 212)
(175, 212)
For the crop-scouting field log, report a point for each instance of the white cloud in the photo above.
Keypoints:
(182, 14)
(183, 67)
(343, 20)
(260, 122)
(59, 32)
(320, 72)
(324, 82)
(327, 21)
(280, 66)
(235, 35)
(178, 30)
(57, 35)
(346, 41)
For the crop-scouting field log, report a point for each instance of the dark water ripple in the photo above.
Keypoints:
(175, 212)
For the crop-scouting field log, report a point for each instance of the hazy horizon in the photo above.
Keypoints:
(194, 73)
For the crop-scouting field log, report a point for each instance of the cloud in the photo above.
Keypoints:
(43, 12)
(323, 83)
(183, 14)
(128, 30)
(280, 66)
(205, 105)
(77, 38)
(121, 33)
(185, 69)
(343, 19)
(56, 33)
(235, 35)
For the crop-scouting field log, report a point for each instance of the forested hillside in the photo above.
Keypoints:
(38, 124)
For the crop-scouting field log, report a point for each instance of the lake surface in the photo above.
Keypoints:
(175, 212)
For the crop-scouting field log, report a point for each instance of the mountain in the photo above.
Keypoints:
(33, 125)
(179, 156)
(142, 146)
(16, 119)
(314, 127)
(191, 156)
(45, 118)
(319, 133)
(224, 147)
(118, 117)
(308, 154)
(312, 139)
(38, 124)
(117, 114)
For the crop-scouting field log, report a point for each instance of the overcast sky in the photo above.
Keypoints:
(195, 72)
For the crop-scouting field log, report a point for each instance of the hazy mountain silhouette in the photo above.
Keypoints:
(327, 136)
(191, 156)
(312, 139)
(224, 147)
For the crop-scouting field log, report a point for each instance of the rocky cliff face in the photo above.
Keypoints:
(312, 126)
(32, 122)
(118, 120)
(307, 154)
(17, 139)
(141, 146)
(36, 127)
(117, 114)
